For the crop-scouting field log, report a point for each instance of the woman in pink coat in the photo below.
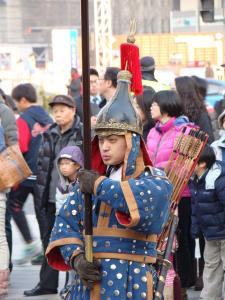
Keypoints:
(167, 110)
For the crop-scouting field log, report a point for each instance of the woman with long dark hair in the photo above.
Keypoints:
(194, 105)
(201, 86)
(143, 104)
(192, 91)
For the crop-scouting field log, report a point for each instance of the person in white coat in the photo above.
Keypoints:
(219, 145)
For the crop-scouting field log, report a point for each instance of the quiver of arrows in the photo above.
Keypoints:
(181, 165)
(183, 160)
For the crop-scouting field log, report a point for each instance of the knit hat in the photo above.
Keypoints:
(73, 153)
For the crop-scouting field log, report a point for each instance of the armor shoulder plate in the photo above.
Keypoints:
(156, 172)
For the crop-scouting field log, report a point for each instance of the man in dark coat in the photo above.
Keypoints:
(149, 81)
(95, 98)
(66, 131)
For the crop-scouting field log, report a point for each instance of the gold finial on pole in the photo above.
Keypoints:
(132, 32)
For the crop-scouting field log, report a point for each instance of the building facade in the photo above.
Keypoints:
(23, 21)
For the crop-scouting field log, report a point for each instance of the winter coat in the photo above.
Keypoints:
(208, 203)
(205, 125)
(149, 82)
(31, 124)
(8, 129)
(148, 76)
(161, 139)
(146, 128)
(75, 87)
(219, 147)
(62, 195)
(52, 143)
(214, 122)
(8, 123)
(94, 107)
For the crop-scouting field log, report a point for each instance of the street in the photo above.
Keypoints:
(26, 277)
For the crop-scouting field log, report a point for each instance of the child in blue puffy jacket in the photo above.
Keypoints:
(208, 216)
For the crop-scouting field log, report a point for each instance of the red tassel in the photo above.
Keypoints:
(130, 61)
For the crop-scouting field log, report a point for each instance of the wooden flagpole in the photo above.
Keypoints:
(87, 124)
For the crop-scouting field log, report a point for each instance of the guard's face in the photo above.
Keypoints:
(112, 149)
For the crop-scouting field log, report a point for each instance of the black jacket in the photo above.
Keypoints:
(208, 203)
(94, 108)
(52, 143)
(205, 124)
(74, 88)
(148, 76)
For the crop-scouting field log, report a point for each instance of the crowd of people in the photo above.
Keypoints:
(52, 144)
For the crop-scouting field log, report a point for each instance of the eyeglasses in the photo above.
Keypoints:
(94, 81)
(67, 163)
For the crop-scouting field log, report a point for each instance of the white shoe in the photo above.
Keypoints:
(29, 251)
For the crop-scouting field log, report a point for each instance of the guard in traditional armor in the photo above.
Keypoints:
(130, 201)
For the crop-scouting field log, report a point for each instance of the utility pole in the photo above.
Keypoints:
(198, 27)
(103, 33)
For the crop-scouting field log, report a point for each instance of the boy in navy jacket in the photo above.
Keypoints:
(208, 216)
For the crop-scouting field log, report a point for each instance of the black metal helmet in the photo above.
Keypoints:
(119, 116)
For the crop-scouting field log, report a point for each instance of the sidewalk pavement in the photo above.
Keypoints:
(26, 277)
